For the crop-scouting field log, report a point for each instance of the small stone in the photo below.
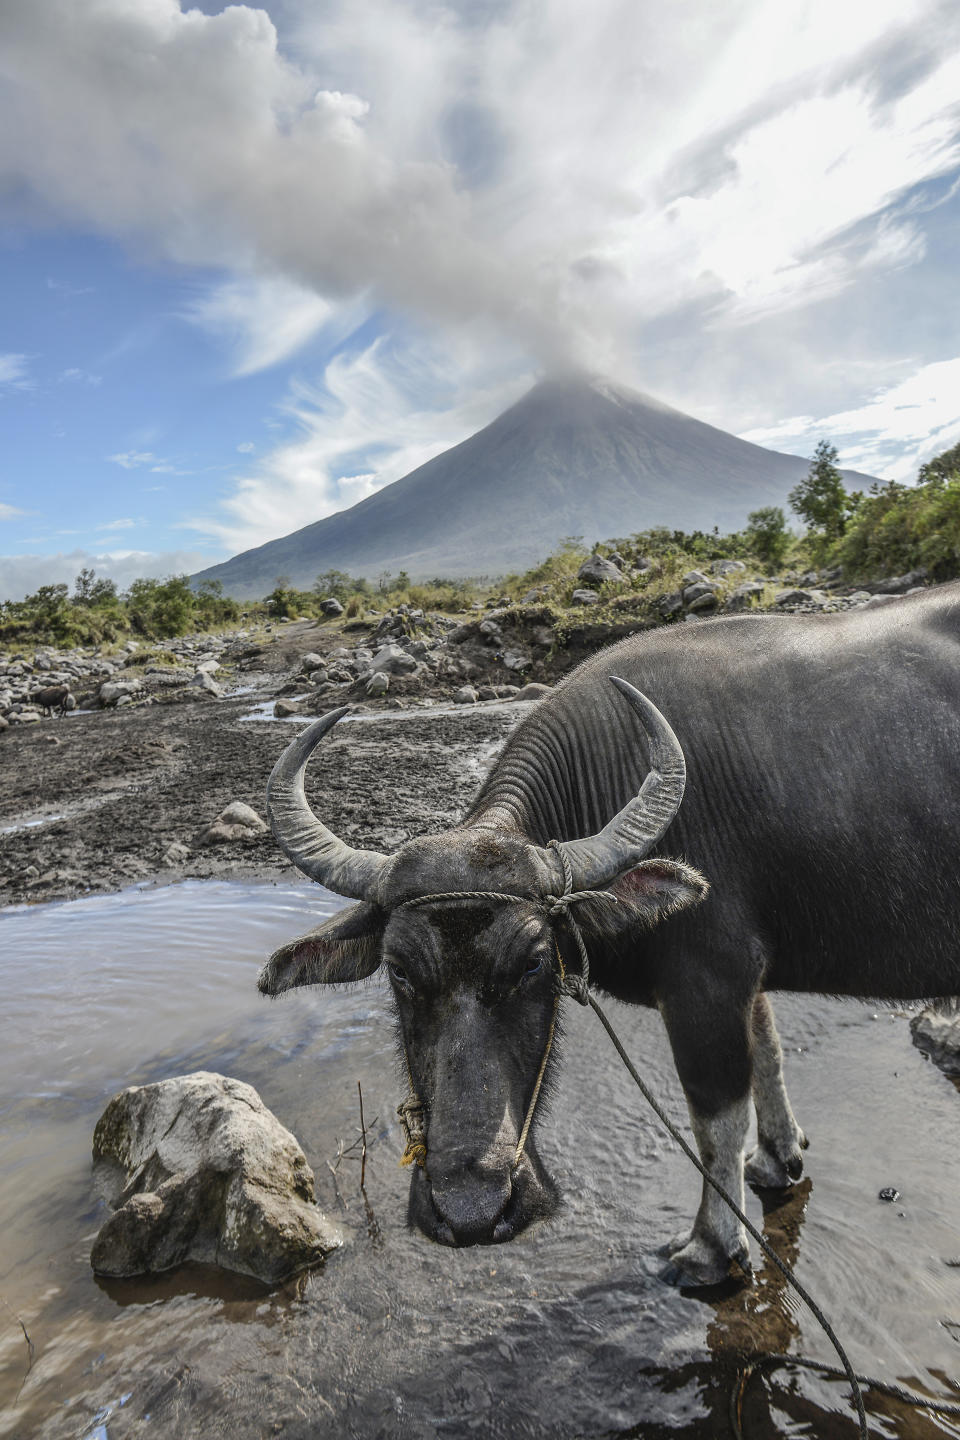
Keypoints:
(378, 684)
(238, 821)
(283, 709)
(889, 1193)
(175, 854)
(466, 695)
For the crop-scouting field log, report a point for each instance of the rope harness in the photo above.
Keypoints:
(575, 985)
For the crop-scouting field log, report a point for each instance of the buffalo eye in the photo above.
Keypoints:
(400, 977)
(534, 969)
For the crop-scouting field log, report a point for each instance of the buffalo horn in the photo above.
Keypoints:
(306, 840)
(597, 860)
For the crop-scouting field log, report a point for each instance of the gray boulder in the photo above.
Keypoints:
(237, 822)
(698, 591)
(793, 597)
(703, 603)
(744, 595)
(111, 691)
(585, 597)
(695, 577)
(331, 606)
(198, 1169)
(466, 695)
(936, 1031)
(727, 567)
(899, 584)
(670, 604)
(283, 709)
(599, 571)
(378, 684)
(392, 660)
(206, 685)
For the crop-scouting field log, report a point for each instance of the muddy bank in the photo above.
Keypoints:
(96, 801)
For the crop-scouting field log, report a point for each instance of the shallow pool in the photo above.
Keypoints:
(568, 1331)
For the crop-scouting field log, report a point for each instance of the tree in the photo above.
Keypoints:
(334, 582)
(820, 499)
(943, 467)
(767, 535)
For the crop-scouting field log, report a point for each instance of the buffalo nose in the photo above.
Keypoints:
(470, 1212)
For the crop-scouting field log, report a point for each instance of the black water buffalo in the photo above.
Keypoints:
(53, 697)
(822, 803)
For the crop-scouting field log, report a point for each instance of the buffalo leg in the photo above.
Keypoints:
(778, 1159)
(712, 1053)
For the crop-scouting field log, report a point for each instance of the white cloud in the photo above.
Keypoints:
(23, 574)
(124, 524)
(365, 411)
(14, 372)
(263, 319)
(246, 447)
(133, 459)
(7, 512)
(891, 434)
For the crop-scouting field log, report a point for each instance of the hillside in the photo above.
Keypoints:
(573, 457)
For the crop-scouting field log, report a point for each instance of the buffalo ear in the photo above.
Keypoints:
(645, 895)
(346, 947)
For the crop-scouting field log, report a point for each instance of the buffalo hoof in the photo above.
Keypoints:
(775, 1167)
(696, 1260)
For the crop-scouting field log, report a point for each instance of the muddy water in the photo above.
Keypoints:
(565, 1332)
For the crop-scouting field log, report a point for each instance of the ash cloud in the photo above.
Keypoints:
(505, 167)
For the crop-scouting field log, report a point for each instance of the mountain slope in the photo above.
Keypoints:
(573, 457)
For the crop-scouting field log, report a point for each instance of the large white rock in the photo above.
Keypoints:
(197, 1168)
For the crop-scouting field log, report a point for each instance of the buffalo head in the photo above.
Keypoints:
(462, 923)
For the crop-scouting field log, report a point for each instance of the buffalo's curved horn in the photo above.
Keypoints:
(306, 840)
(598, 859)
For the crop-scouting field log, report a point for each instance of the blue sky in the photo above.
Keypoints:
(257, 262)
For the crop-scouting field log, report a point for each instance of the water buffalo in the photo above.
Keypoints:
(822, 801)
(53, 697)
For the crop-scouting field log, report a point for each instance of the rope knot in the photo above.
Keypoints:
(576, 988)
(412, 1114)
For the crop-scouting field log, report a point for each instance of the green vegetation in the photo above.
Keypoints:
(892, 529)
(767, 536)
(97, 614)
(821, 500)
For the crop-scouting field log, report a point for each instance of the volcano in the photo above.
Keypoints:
(575, 456)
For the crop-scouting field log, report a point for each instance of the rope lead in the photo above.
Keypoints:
(576, 986)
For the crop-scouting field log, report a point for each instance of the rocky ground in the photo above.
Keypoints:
(152, 771)
(99, 799)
